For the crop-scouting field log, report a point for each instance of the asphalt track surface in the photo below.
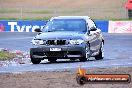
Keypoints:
(118, 52)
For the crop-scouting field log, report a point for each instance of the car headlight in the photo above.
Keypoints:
(76, 42)
(38, 42)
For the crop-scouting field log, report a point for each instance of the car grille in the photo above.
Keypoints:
(56, 42)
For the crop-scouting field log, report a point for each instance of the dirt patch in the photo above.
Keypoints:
(58, 79)
(62, 3)
(47, 8)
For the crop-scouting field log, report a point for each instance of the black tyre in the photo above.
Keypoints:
(35, 61)
(53, 60)
(83, 59)
(101, 53)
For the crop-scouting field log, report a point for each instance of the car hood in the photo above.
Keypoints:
(60, 35)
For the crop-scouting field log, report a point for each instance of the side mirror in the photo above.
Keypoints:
(93, 29)
(37, 30)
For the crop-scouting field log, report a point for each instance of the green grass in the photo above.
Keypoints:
(25, 11)
(113, 19)
(38, 12)
(47, 18)
(9, 11)
(4, 55)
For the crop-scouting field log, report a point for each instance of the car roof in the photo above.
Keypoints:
(71, 17)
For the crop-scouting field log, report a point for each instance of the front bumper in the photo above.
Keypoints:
(44, 52)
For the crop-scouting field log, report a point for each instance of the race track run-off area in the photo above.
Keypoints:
(118, 50)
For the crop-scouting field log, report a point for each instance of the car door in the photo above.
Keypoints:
(94, 37)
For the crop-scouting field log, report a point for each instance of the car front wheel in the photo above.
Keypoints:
(35, 61)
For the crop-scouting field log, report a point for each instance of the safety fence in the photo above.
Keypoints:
(29, 26)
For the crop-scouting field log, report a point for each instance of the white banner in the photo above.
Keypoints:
(120, 27)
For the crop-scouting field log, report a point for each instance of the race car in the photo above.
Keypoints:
(67, 37)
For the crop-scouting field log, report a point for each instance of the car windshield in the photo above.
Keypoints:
(65, 25)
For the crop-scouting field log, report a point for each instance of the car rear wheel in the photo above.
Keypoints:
(35, 61)
(101, 53)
